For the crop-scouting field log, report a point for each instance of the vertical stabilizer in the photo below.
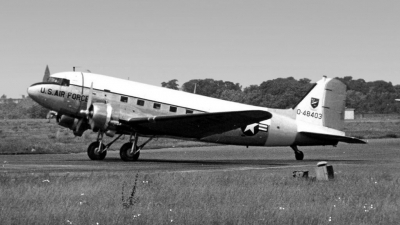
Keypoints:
(324, 105)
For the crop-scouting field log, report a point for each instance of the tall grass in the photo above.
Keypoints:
(244, 197)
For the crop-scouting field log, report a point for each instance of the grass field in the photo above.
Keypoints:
(41, 136)
(253, 197)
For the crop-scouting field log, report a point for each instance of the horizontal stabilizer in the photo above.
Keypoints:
(196, 125)
(328, 137)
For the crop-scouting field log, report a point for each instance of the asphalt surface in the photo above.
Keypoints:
(216, 158)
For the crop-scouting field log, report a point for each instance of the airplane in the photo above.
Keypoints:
(107, 105)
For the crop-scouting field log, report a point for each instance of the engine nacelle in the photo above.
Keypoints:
(100, 116)
(76, 125)
(68, 122)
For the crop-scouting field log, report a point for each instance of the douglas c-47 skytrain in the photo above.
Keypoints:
(115, 107)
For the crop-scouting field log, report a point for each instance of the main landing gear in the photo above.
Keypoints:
(130, 151)
(297, 153)
(97, 150)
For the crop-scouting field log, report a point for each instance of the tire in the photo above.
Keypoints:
(299, 155)
(125, 155)
(93, 153)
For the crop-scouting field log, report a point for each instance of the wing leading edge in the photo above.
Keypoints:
(196, 125)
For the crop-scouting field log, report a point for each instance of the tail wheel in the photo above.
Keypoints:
(125, 152)
(95, 153)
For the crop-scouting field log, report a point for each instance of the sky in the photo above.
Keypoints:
(152, 41)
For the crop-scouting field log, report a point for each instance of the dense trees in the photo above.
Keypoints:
(172, 84)
(364, 97)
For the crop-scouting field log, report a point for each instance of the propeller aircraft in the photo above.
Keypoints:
(114, 107)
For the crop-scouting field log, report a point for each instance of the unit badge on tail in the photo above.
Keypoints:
(314, 102)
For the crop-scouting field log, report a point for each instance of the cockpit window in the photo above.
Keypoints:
(60, 81)
(54, 80)
(65, 82)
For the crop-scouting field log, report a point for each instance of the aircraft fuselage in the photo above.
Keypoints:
(68, 94)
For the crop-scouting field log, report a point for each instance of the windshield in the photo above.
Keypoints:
(60, 81)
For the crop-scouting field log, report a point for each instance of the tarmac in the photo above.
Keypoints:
(207, 159)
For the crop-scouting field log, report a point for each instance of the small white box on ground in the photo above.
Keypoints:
(324, 171)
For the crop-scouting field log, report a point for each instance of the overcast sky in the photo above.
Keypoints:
(247, 41)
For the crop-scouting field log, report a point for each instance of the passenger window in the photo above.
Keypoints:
(189, 111)
(172, 109)
(140, 102)
(157, 106)
(124, 99)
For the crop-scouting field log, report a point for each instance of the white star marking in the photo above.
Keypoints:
(250, 127)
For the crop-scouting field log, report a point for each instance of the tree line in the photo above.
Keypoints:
(365, 97)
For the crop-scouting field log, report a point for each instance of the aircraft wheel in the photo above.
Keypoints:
(299, 155)
(94, 153)
(125, 153)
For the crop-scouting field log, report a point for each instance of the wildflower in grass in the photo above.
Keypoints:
(83, 203)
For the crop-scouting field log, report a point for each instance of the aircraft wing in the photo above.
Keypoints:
(350, 140)
(196, 125)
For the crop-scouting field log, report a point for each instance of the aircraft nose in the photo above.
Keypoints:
(33, 91)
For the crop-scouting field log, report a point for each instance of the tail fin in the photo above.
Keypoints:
(324, 105)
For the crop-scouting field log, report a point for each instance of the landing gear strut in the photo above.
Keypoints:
(297, 153)
(130, 151)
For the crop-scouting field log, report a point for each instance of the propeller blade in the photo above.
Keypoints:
(89, 103)
(51, 114)
(90, 97)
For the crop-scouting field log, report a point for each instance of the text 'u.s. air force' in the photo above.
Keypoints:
(63, 94)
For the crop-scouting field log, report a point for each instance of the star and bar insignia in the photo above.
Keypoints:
(253, 129)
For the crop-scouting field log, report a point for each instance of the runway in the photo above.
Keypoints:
(206, 159)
